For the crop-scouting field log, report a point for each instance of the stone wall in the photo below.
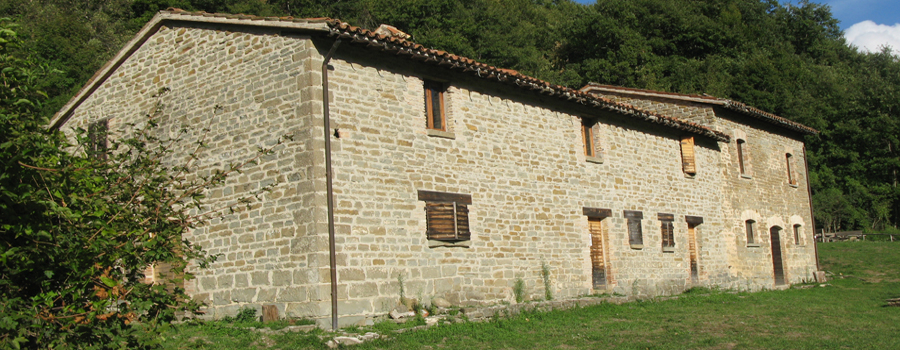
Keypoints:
(248, 88)
(766, 197)
(520, 157)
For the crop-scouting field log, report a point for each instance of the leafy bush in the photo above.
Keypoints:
(245, 314)
(519, 290)
(79, 229)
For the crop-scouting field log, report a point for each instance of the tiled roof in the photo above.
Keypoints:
(418, 52)
(729, 104)
(396, 45)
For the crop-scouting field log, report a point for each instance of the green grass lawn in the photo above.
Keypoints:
(849, 313)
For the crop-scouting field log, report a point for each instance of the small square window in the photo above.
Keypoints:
(446, 215)
(434, 105)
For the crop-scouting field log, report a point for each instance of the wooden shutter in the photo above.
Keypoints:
(441, 221)
(635, 235)
(447, 221)
(635, 232)
(668, 234)
(688, 162)
(462, 222)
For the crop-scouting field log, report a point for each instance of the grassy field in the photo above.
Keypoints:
(848, 313)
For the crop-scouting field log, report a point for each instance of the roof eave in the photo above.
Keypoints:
(418, 52)
(729, 104)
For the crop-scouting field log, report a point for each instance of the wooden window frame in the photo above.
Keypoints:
(587, 132)
(433, 88)
(635, 230)
(98, 141)
(688, 158)
(441, 207)
(667, 231)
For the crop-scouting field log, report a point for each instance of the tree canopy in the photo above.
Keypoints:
(787, 59)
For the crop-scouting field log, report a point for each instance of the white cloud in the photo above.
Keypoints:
(871, 37)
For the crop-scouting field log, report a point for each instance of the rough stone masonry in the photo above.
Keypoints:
(519, 157)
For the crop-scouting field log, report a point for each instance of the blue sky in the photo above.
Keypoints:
(867, 24)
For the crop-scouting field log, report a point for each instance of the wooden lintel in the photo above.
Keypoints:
(696, 220)
(599, 213)
(431, 196)
(665, 217)
(633, 214)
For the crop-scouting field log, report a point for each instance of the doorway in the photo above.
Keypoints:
(692, 248)
(598, 253)
(777, 263)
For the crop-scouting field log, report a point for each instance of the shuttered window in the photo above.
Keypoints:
(667, 230)
(446, 215)
(97, 139)
(688, 162)
(635, 232)
(434, 105)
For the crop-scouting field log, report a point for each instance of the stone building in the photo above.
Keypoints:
(452, 178)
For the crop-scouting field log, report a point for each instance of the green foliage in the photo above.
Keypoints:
(519, 290)
(79, 229)
(244, 315)
(545, 275)
(788, 59)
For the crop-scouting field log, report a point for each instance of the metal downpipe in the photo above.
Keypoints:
(329, 185)
(811, 214)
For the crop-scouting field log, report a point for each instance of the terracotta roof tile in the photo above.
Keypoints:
(508, 76)
(729, 104)
(398, 45)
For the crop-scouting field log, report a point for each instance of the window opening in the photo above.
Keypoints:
(797, 234)
(740, 151)
(750, 234)
(667, 230)
(434, 105)
(588, 133)
(97, 139)
(789, 159)
(688, 161)
(635, 232)
(446, 215)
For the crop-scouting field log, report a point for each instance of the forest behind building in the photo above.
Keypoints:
(790, 60)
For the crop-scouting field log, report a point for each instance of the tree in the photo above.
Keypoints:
(83, 218)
